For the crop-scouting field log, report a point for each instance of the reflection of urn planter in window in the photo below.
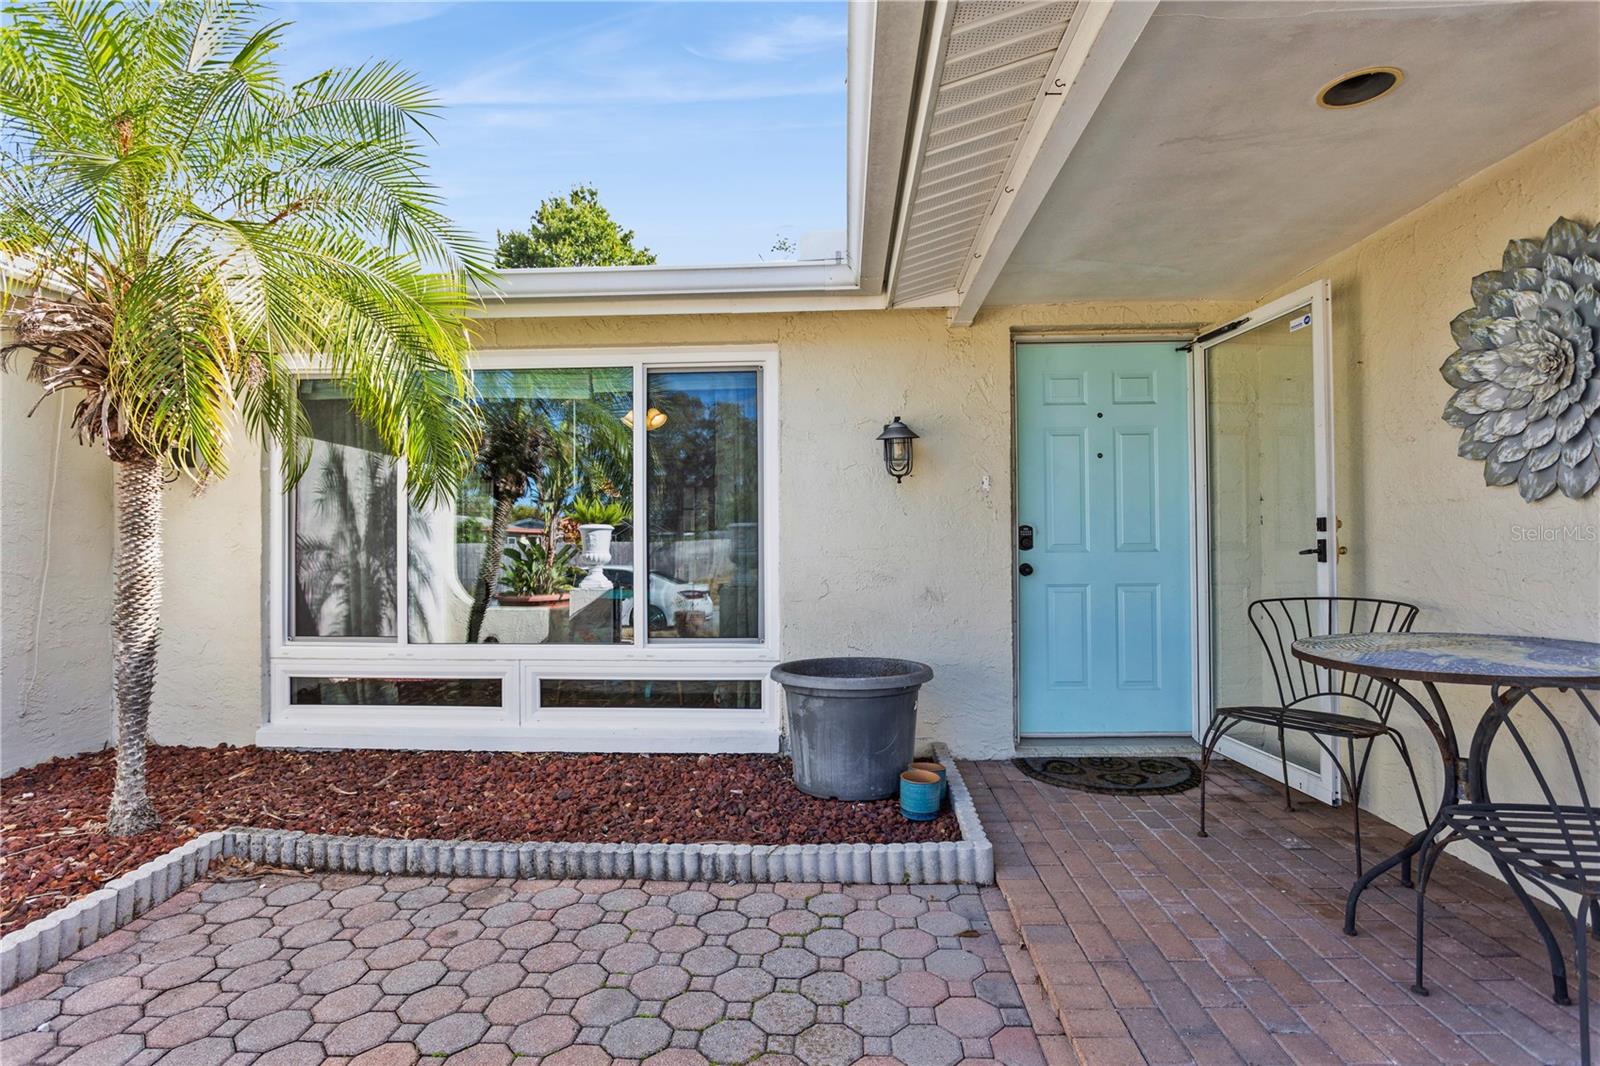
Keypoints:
(597, 519)
(595, 555)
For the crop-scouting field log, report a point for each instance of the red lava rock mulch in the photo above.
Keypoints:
(54, 848)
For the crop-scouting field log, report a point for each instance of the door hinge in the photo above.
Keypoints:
(1209, 334)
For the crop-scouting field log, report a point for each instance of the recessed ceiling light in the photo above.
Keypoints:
(1360, 87)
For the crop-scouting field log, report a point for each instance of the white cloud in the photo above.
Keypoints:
(338, 19)
(639, 87)
(512, 118)
(796, 36)
(616, 60)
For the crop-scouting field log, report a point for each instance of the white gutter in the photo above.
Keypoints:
(17, 274)
(719, 302)
(565, 283)
(861, 24)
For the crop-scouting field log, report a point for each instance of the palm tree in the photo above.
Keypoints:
(191, 230)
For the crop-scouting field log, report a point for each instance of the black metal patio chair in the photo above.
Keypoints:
(1553, 845)
(1279, 623)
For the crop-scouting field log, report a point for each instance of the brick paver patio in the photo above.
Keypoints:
(289, 969)
(1115, 936)
(1158, 947)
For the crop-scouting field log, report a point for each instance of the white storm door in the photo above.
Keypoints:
(1265, 506)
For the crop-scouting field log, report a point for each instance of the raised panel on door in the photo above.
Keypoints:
(1139, 636)
(1104, 633)
(1133, 387)
(1069, 635)
(1135, 453)
(1066, 491)
(1067, 390)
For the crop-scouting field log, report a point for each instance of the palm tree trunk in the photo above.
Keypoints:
(135, 632)
(489, 570)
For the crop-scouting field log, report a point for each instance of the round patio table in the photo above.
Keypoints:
(1514, 663)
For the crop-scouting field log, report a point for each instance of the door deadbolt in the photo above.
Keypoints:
(1025, 538)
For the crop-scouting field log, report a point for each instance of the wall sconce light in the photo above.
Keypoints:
(653, 419)
(897, 438)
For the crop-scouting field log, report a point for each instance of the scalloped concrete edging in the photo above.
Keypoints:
(44, 942)
(40, 944)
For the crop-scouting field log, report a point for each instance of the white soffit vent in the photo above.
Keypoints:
(996, 56)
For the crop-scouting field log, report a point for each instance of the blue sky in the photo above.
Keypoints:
(709, 127)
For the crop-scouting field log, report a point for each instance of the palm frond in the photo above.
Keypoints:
(218, 231)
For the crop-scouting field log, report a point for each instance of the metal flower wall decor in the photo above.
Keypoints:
(1527, 392)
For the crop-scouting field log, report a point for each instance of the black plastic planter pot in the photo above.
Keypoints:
(852, 723)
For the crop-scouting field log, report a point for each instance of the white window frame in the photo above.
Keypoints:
(518, 724)
(506, 672)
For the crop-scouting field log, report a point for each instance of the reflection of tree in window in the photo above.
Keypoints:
(703, 483)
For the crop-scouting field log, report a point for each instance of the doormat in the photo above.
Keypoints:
(1152, 775)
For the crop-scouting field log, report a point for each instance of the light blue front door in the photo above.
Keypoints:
(1103, 483)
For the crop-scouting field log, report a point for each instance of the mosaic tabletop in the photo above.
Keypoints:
(1460, 658)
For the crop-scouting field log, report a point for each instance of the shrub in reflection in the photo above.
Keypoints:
(535, 568)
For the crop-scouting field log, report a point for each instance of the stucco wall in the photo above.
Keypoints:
(921, 569)
(209, 684)
(55, 582)
(1419, 521)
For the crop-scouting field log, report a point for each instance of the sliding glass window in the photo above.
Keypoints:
(539, 543)
(704, 504)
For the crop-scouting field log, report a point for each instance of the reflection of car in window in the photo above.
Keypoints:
(671, 600)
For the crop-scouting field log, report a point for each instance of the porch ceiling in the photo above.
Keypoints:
(1208, 171)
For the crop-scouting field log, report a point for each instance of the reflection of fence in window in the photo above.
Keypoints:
(579, 693)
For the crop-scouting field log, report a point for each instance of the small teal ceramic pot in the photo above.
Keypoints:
(920, 795)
